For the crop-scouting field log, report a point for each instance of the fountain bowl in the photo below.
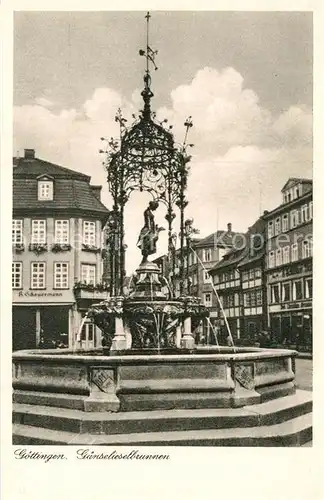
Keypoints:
(205, 378)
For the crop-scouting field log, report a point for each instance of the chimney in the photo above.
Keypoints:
(96, 190)
(29, 154)
(229, 227)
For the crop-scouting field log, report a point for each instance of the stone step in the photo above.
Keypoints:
(76, 421)
(294, 432)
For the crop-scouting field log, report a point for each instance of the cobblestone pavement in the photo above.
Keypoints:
(304, 373)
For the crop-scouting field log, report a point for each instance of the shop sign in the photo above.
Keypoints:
(42, 296)
(32, 293)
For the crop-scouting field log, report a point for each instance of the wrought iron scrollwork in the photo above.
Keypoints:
(146, 158)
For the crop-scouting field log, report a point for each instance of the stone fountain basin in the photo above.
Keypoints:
(209, 378)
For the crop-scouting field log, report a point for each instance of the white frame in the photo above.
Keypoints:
(59, 231)
(45, 190)
(89, 233)
(37, 225)
(57, 273)
(294, 251)
(17, 230)
(294, 295)
(207, 251)
(39, 273)
(88, 266)
(15, 273)
(285, 223)
(270, 229)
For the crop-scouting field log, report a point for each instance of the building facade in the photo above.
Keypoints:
(289, 264)
(239, 281)
(57, 227)
(200, 257)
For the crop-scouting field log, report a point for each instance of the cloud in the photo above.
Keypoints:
(42, 101)
(242, 155)
(225, 113)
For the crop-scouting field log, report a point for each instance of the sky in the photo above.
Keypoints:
(244, 77)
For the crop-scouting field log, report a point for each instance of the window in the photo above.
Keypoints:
(61, 275)
(294, 252)
(17, 232)
(207, 257)
(259, 297)
(236, 299)
(245, 276)
(278, 257)
(270, 229)
(88, 274)
(62, 232)
(275, 294)
(308, 288)
(307, 249)
(216, 279)
(297, 290)
(207, 299)
(45, 190)
(304, 213)
(37, 275)
(257, 272)
(38, 231)
(285, 223)
(17, 275)
(251, 274)
(296, 191)
(293, 218)
(286, 292)
(253, 299)
(206, 277)
(89, 233)
(247, 300)
(194, 279)
(277, 226)
(231, 301)
(271, 259)
(221, 253)
(286, 255)
(310, 209)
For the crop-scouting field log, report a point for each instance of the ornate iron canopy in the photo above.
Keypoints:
(146, 158)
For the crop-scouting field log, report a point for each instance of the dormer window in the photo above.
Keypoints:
(45, 188)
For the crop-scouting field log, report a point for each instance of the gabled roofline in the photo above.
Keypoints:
(297, 180)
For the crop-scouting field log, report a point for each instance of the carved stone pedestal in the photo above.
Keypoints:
(148, 283)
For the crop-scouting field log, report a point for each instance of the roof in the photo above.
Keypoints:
(249, 249)
(296, 180)
(72, 190)
(34, 167)
(287, 206)
(220, 238)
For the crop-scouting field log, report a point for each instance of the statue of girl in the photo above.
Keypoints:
(149, 233)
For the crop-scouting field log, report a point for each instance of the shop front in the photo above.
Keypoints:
(293, 328)
(42, 319)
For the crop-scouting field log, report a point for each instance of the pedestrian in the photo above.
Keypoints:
(229, 341)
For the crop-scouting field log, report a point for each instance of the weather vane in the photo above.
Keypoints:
(149, 53)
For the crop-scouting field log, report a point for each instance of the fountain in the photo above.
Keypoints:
(150, 383)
